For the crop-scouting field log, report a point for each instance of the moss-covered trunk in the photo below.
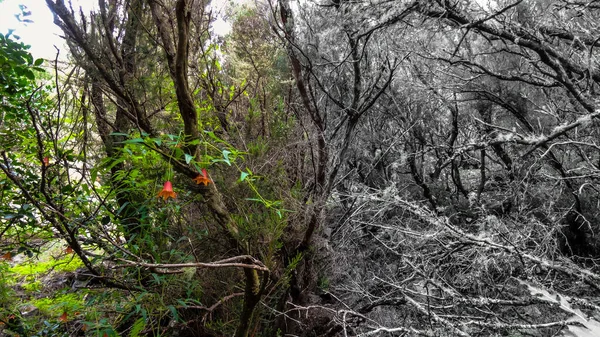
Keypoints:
(252, 295)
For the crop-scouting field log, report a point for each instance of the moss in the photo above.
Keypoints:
(34, 286)
(6, 292)
(66, 264)
(55, 306)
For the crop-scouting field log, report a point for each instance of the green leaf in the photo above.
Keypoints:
(226, 157)
(216, 139)
(38, 62)
(243, 176)
(188, 158)
(134, 140)
(213, 136)
(94, 174)
(196, 166)
(174, 312)
(66, 189)
(257, 200)
(109, 332)
(115, 163)
(29, 74)
(123, 207)
(137, 327)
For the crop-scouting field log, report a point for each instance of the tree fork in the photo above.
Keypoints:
(177, 53)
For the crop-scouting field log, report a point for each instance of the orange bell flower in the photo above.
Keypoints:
(46, 161)
(167, 191)
(203, 178)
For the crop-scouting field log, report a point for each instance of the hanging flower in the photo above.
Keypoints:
(46, 161)
(167, 191)
(203, 178)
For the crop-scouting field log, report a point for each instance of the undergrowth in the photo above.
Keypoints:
(40, 297)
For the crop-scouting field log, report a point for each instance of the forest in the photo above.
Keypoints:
(327, 168)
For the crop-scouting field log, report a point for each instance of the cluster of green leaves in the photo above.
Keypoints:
(143, 151)
(31, 134)
(17, 66)
(17, 87)
(19, 93)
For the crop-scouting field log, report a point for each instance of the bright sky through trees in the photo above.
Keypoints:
(42, 35)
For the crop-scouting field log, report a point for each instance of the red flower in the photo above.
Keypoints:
(46, 161)
(167, 191)
(203, 178)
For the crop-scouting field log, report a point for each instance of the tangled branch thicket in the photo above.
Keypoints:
(465, 199)
(399, 262)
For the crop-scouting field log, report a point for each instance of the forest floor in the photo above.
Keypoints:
(45, 295)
